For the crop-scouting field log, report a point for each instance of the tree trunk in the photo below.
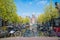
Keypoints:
(4, 23)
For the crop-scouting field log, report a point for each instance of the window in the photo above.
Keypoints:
(57, 22)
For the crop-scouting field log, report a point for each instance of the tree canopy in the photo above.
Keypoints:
(50, 12)
(8, 10)
(26, 20)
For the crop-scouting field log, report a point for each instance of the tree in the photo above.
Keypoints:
(41, 18)
(49, 13)
(26, 20)
(20, 19)
(8, 11)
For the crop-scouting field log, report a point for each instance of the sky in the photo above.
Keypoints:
(29, 7)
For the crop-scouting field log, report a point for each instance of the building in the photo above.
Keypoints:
(33, 19)
(33, 22)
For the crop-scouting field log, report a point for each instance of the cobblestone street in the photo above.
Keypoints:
(31, 38)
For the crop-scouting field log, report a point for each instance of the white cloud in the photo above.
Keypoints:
(25, 14)
(30, 14)
(37, 13)
(33, 13)
(43, 2)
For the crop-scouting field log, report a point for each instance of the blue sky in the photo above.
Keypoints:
(28, 7)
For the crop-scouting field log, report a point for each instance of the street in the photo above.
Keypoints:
(31, 38)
